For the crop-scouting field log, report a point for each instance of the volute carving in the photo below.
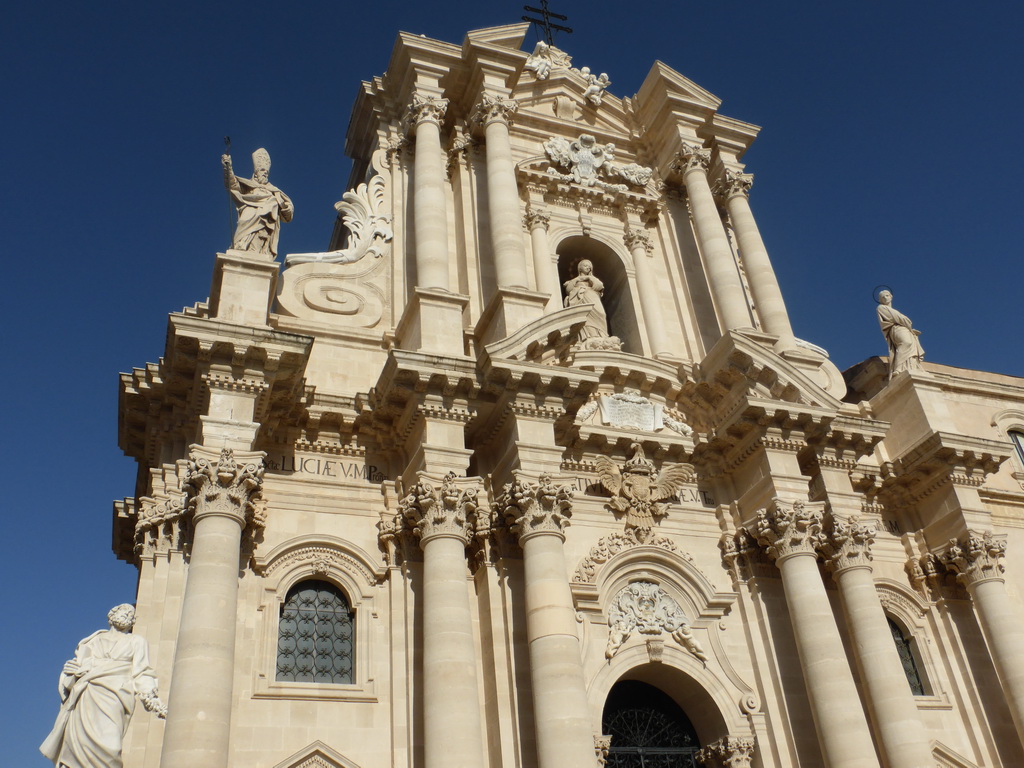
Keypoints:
(645, 608)
(977, 558)
(848, 544)
(426, 109)
(692, 157)
(729, 752)
(495, 109)
(224, 487)
(445, 511)
(535, 508)
(788, 528)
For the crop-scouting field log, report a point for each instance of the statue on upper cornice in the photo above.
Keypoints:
(545, 58)
(905, 352)
(369, 229)
(587, 161)
(587, 288)
(596, 86)
(261, 206)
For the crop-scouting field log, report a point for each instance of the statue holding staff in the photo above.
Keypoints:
(261, 206)
(98, 689)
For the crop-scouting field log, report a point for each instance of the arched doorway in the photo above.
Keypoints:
(648, 728)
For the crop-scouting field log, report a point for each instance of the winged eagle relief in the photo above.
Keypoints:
(636, 492)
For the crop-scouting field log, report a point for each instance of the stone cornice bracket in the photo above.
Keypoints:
(847, 544)
(638, 238)
(223, 487)
(976, 559)
(536, 508)
(728, 752)
(534, 219)
(789, 528)
(448, 511)
(692, 157)
(494, 109)
(734, 183)
(157, 527)
(425, 109)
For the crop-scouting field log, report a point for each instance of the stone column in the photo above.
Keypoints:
(640, 248)
(978, 562)
(538, 514)
(898, 725)
(443, 520)
(771, 307)
(221, 495)
(730, 752)
(430, 215)
(547, 278)
(495, 115)
(790, 533)
(693, 161)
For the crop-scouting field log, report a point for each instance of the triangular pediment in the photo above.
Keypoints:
(505, 36)
(679, 85)
(317, 755)
(559, 100)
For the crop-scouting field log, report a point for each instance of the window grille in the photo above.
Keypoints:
(314, 639)
(907, 658)
(648, 729)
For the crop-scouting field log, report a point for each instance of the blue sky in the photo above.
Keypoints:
(890, 154)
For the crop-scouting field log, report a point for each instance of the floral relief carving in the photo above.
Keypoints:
(535, 219)
(789, 528)
(729, 752)
(977, 558)
(848, 543)
(426, 109)
(532, 508)
(495, 109)
(645, 608)
(692, 157)
(734, 183)
(590, 163)
(445, 511)
(609, 546)
(602, 744)
(159, 528)
(638, 239)
(636, 493)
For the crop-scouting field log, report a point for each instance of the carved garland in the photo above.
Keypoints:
(609, 546)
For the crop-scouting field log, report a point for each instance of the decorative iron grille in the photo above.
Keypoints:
(907, 658)
(314, 639)
(648, 729)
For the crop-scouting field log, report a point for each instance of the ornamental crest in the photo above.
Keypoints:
(590, 163)
(636, 492)
(646, 608)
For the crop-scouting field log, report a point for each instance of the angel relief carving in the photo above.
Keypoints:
(636, 492)
(369, 229)
(647, 609)
(589, 163)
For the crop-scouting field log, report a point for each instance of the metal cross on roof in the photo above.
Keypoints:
(544, 23)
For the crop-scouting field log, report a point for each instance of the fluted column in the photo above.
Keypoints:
(430, 215)
(729, 752)
(220, 494)
(495, 115)
(790, 533)
(640, 248)
(547, 278)
(771, 307)
(443, 520)
(693, 161)
(978, 561)
(898, 725)
(538, 513)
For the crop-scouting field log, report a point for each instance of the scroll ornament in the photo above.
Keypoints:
(646, 608)
(636, 492)
(589, 164)
(369, 229)
(541, 507)
(448, 510)
(224, 487)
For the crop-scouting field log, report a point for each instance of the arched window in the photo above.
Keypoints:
(1017, 438)
(314, 637)
(907, 657)
(648, 729)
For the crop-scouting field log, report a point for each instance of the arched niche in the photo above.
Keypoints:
(609, 269)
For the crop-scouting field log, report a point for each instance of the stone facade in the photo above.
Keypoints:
(518, 514)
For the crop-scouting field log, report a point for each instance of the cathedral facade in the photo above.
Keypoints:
(528, 470)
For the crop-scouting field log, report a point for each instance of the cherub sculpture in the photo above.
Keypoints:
(636, 492)
(596, 85)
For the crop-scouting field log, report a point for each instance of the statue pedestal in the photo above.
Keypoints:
(432, 322)
(509, 310)
(244, 284)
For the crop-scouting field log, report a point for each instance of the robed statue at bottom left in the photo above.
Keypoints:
(98, 689)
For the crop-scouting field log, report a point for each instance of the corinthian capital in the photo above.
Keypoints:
(224, 487)
(730, 752)
(848, 544)
(535, 218)
(495, 109)
(426, 109)
(977, 558)
(692, 157)
(444, 511)
(535, 508)
(638, 238)
(788, 528)
(734, 183)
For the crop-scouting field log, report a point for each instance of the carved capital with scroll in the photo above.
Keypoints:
(977, 558)
(788, 528)
(224, 488)
(692, 157)
(728, 752)
(426, 109)
(493, 109)
(848, 544)
(536, 508)
(446, 511)
(636, 239)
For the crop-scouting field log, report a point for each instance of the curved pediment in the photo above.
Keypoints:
(545, 339)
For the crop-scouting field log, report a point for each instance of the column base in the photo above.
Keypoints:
(432, 322)
(509, 310)
(244, 286)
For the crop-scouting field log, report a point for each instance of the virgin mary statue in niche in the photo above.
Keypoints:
(586, 288)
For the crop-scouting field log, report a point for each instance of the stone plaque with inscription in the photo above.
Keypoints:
(632, 411)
